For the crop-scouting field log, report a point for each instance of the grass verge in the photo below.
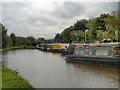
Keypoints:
(18, 47)
(11, 79)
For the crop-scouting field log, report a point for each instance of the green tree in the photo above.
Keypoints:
(26, 41)
(78, 37)
(9, 42)
(19, 41)
(112, 25)
(81, 25)
(13, 38)
(0, 36)
(31, 38)
(91, 35)
(105, 35)
(66, 34)
(4, 37)
(100, 22)
(41, 40)
(92, 29)
(99, 35)
(58, 38)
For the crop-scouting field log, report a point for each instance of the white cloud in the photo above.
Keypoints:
(60, 1)
(48, 18)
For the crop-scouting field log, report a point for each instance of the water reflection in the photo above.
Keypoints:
(48, 70)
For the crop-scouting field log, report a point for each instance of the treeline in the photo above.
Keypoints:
(12, 40)
(106, 26)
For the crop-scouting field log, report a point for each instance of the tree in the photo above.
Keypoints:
(112, 25)
(58, 38)
(66, 34)
(100, 22)
(13, 38)
(105, 35)
(91, 35)
(81, 25)
(19, 41)
(26, 41)
(91, 24)
(99, 35)
(4, 37)
(32, 40)
(9, 42)
(92, 29)
(0, 36)
(97, 26)
(41, 40)
(78, 37)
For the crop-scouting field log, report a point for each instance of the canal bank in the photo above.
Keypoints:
(50, 70)
(17, 47)
(10, 78)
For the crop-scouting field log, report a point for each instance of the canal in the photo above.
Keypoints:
(50, 70)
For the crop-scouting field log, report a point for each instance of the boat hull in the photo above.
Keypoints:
(99, 61)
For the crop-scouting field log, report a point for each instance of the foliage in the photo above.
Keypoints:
(9, 42)
(81, 25)
(99, 28)
(105, 35)
(103, 27)
(91, 35)
(78, 37)
(31, 38)
(58, 38)
(112, 24)
(4, 36)
(99, 35)
(13, 38)
(41, 40)
(66, 34)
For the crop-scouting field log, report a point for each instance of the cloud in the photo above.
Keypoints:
(45, 19)
(68, 10)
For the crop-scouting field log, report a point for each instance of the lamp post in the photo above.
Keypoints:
(75, 36)
(116, 33)
(85, 35)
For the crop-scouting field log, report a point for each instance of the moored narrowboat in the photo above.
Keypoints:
(49, 47)
(56, 47)
(100, 54)
(64, 49)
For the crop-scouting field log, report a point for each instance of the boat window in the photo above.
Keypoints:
(102, 52)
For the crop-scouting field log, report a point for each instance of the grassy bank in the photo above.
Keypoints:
(18, 47)
(11, 79)
(0, 76)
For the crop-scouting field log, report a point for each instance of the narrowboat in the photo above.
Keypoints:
(64, 49)
(97, 54)
(56, 47)
(49, 47)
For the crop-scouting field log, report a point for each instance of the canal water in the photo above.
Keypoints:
(50, 70)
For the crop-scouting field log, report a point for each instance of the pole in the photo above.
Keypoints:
(85, 35)
(75, 36)
(116, 33)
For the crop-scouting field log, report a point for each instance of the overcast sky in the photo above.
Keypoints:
(45, 19)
